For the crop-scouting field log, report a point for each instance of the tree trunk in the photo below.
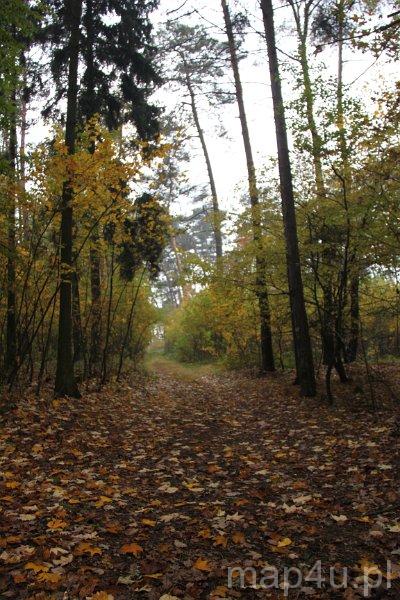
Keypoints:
(213, 187)
(301, 335)
(186, 292)
(11, 329)
(327, 317)
(95, 317)
(128, 330)
(23, 209)
(78, 342)
(267, 357)
(316, 140)
(65, 384)
(352, 348)
(108, 322)
(91, 109)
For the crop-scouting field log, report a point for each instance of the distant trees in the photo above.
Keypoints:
(197, 64)
(84, 216)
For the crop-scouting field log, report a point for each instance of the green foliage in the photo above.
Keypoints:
(18, 23)
(146, 235)
(116, 46)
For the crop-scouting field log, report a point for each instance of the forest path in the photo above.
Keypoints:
(159, 488)
(158, 364)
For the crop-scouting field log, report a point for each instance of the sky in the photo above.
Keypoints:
(227, 154)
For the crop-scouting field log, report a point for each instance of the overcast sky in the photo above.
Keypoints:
(227, 154)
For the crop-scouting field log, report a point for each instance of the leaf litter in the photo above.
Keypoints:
(155, 491)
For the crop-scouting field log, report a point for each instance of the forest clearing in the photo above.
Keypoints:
(199, 299)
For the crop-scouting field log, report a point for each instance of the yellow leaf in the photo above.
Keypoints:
(49, 577)
(56, 524)
(284, 542)
(85, 548)
(11, 485)
(280, 455)
(202, 564)
(134, 549)
(31, 566)
(155, 575)
(369, 568)
(27, 517)
(102, 596)
(149, 522)
(102, 501)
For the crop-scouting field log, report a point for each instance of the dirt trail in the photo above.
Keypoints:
(158, 488)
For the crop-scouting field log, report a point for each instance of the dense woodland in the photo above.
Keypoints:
(211, 188)
(302, 273)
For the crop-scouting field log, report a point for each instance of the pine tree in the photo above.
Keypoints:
(301, 335)
(65, 384)
(197, 64)
(117, 51)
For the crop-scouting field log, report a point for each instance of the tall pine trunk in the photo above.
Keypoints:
(267, 357)
(210, 172)
(90, 110)
(301, 336)
(354, 272)
(65, 384)
(11, 330)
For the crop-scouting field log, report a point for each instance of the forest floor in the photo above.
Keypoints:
(155, 489)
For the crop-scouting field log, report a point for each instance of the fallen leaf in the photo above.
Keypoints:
(134, 549)
(220, 540)
(49, 577)
(284, 542)
(56, 524)
(36, 567)
(202, 564)
(238, 537)
(86, 548)
(205, 533)
(339, 518)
